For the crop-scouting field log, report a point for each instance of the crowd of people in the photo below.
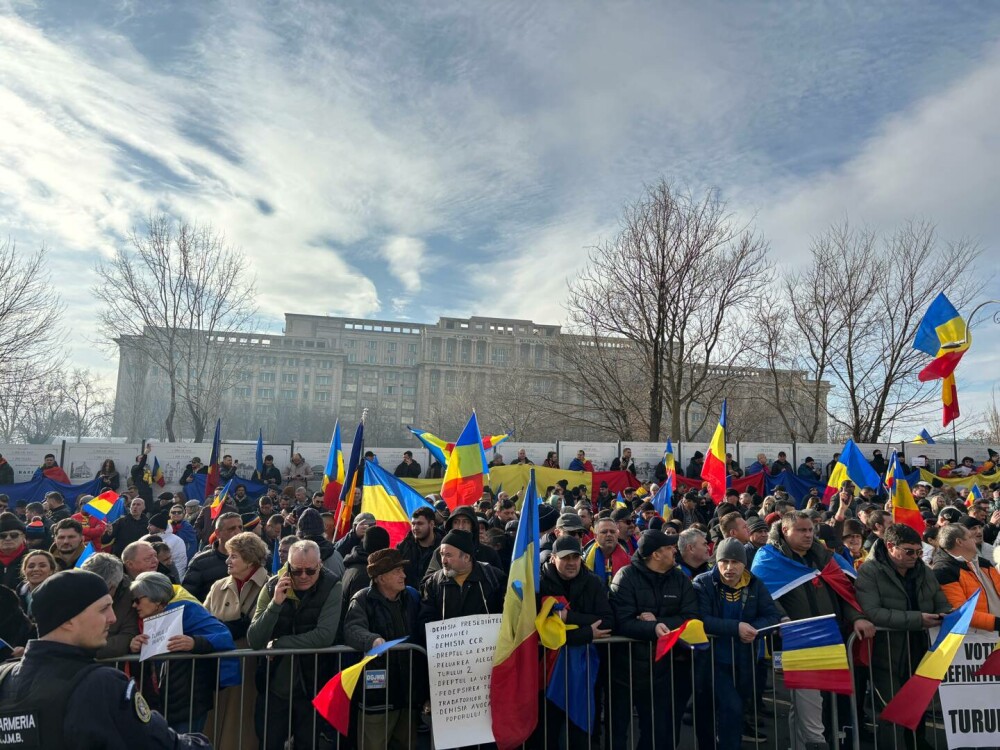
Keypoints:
(267, 573)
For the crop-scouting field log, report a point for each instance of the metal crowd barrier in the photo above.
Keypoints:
(694, 699)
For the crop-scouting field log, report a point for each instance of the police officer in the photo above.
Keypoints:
(58, 697)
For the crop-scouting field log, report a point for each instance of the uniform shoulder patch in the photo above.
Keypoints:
(142, 709)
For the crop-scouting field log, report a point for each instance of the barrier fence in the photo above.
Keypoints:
(727, 696)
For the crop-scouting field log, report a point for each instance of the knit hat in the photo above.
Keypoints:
(10, 522)
(160, 520)
(656, 523)
(755, 524)
(376, 538)
(383, 560)
(771, 518)
(698, 454)
(460, 540)
(650, 541)
(310, 524)
(950, 514)
(250, 521)
(547, 517)
(165, 496)
(63, 596)
(35, 529)
(731, 549)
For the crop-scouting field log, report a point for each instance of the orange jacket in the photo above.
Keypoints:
(958, 583)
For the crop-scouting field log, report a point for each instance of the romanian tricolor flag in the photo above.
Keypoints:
(780, 574)
(333, 702)
(516, 677)
(463, 478)
(814, 657)
(334, 473)
(850, 465)
(440, 449)
(924, 438)
(690, 632)
(909, 703)
(88, 551)
(216, 507)
(391, 501)
(943, 334)
(157, 473)
(714, 469)
(904, 507)
(107, 506)
(212, 480)
(663, 499)
(353, 477)
(949, 400)
(975, 494)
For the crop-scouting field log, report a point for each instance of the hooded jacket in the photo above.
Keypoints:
(959, 582)
(481, 553)
(756, 608)
(419, 557)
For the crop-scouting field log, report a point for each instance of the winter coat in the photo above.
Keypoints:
(808, 600)
(110, 481)
(958, 583)
(355, 575)
(419, 557)
(205, 568)
(6, 472)
(758, 609)
(620, 464)
(587, 598)
(234, 607)
(442, 598)
(126, 625)
(407, 470)
(124, 531)
(298, 476)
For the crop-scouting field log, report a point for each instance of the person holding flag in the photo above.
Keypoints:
(807, 580)
(898, 592)
(650, 597)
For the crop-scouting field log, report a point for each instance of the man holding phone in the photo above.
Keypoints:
(898, 591)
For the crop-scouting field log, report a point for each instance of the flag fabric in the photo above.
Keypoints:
(571, 682)
(975, 494)
(441, 449)
(904, 507)
(949, 400)
(924, 438)
(943, 334)
(333, 702)
(107, 506)
(909, 703)
(664, 497)
(690, 632)
(991, 667)
(515, 681)
(259, 455)
(620, 501)
(88, 551)
(157, 473)
(814, 657)
(216, 507)
(780, 574)
(714, 470)
(390, 500)
(344, 511)
(463, 477)
(212, 480)
(333, 474)
(850, 465)
(275, 558)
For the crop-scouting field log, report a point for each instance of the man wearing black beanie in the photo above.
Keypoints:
(463, 586)
(58, 697)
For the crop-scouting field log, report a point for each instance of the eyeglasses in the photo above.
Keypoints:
(302, 572)
(177, 512)
(909, 551)
(9, 535)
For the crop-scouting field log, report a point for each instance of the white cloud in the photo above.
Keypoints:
(405, 257)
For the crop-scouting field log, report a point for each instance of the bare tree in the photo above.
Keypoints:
(676, 286)
(849, 318)
(87, 405)
(179, 295)
(43, 414)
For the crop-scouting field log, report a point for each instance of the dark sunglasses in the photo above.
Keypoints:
(909, 551)
(9, 534)
(301, 572)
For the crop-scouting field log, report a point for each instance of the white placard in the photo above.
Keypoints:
(968, 702)
(460, 662)
(599, 454)
(82, 461)
(160, 629)
(821, 453)
(24, 459)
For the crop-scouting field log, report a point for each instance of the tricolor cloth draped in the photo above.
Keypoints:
(663, 500)
(516, 677)
(333, 702)
(780, 574)
(390, 500)
(944, 335)
(107, 506)
(908, 705)
(814, 657)
(904, 507)
(714, 470)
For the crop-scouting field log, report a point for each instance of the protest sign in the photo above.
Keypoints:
(160, 629)
(460, 662)
(968, 703)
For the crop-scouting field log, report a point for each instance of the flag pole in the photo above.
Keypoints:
(794, 622)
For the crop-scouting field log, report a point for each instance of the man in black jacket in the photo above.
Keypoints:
(407, 468)
(625, 462)
(464, 519)
(463, 586)
(565, 577)
(650, 597)
(419, 545)
(270, 475)
(693, 470)
(131, 527)
(209, 566)
(141, 477)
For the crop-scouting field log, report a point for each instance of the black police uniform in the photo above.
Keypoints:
(57, 697)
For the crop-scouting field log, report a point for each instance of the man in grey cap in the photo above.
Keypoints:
(650, 597)
(57, 696)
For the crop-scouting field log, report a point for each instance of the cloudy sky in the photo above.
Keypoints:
(408, 160)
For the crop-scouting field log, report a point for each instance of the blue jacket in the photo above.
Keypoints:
(758, 609)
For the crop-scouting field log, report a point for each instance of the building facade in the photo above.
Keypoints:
(428, 375)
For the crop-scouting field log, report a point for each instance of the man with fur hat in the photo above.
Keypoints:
(463, 586)
(384, 611)
(58, 696)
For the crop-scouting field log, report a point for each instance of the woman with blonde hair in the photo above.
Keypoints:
(232, 600)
